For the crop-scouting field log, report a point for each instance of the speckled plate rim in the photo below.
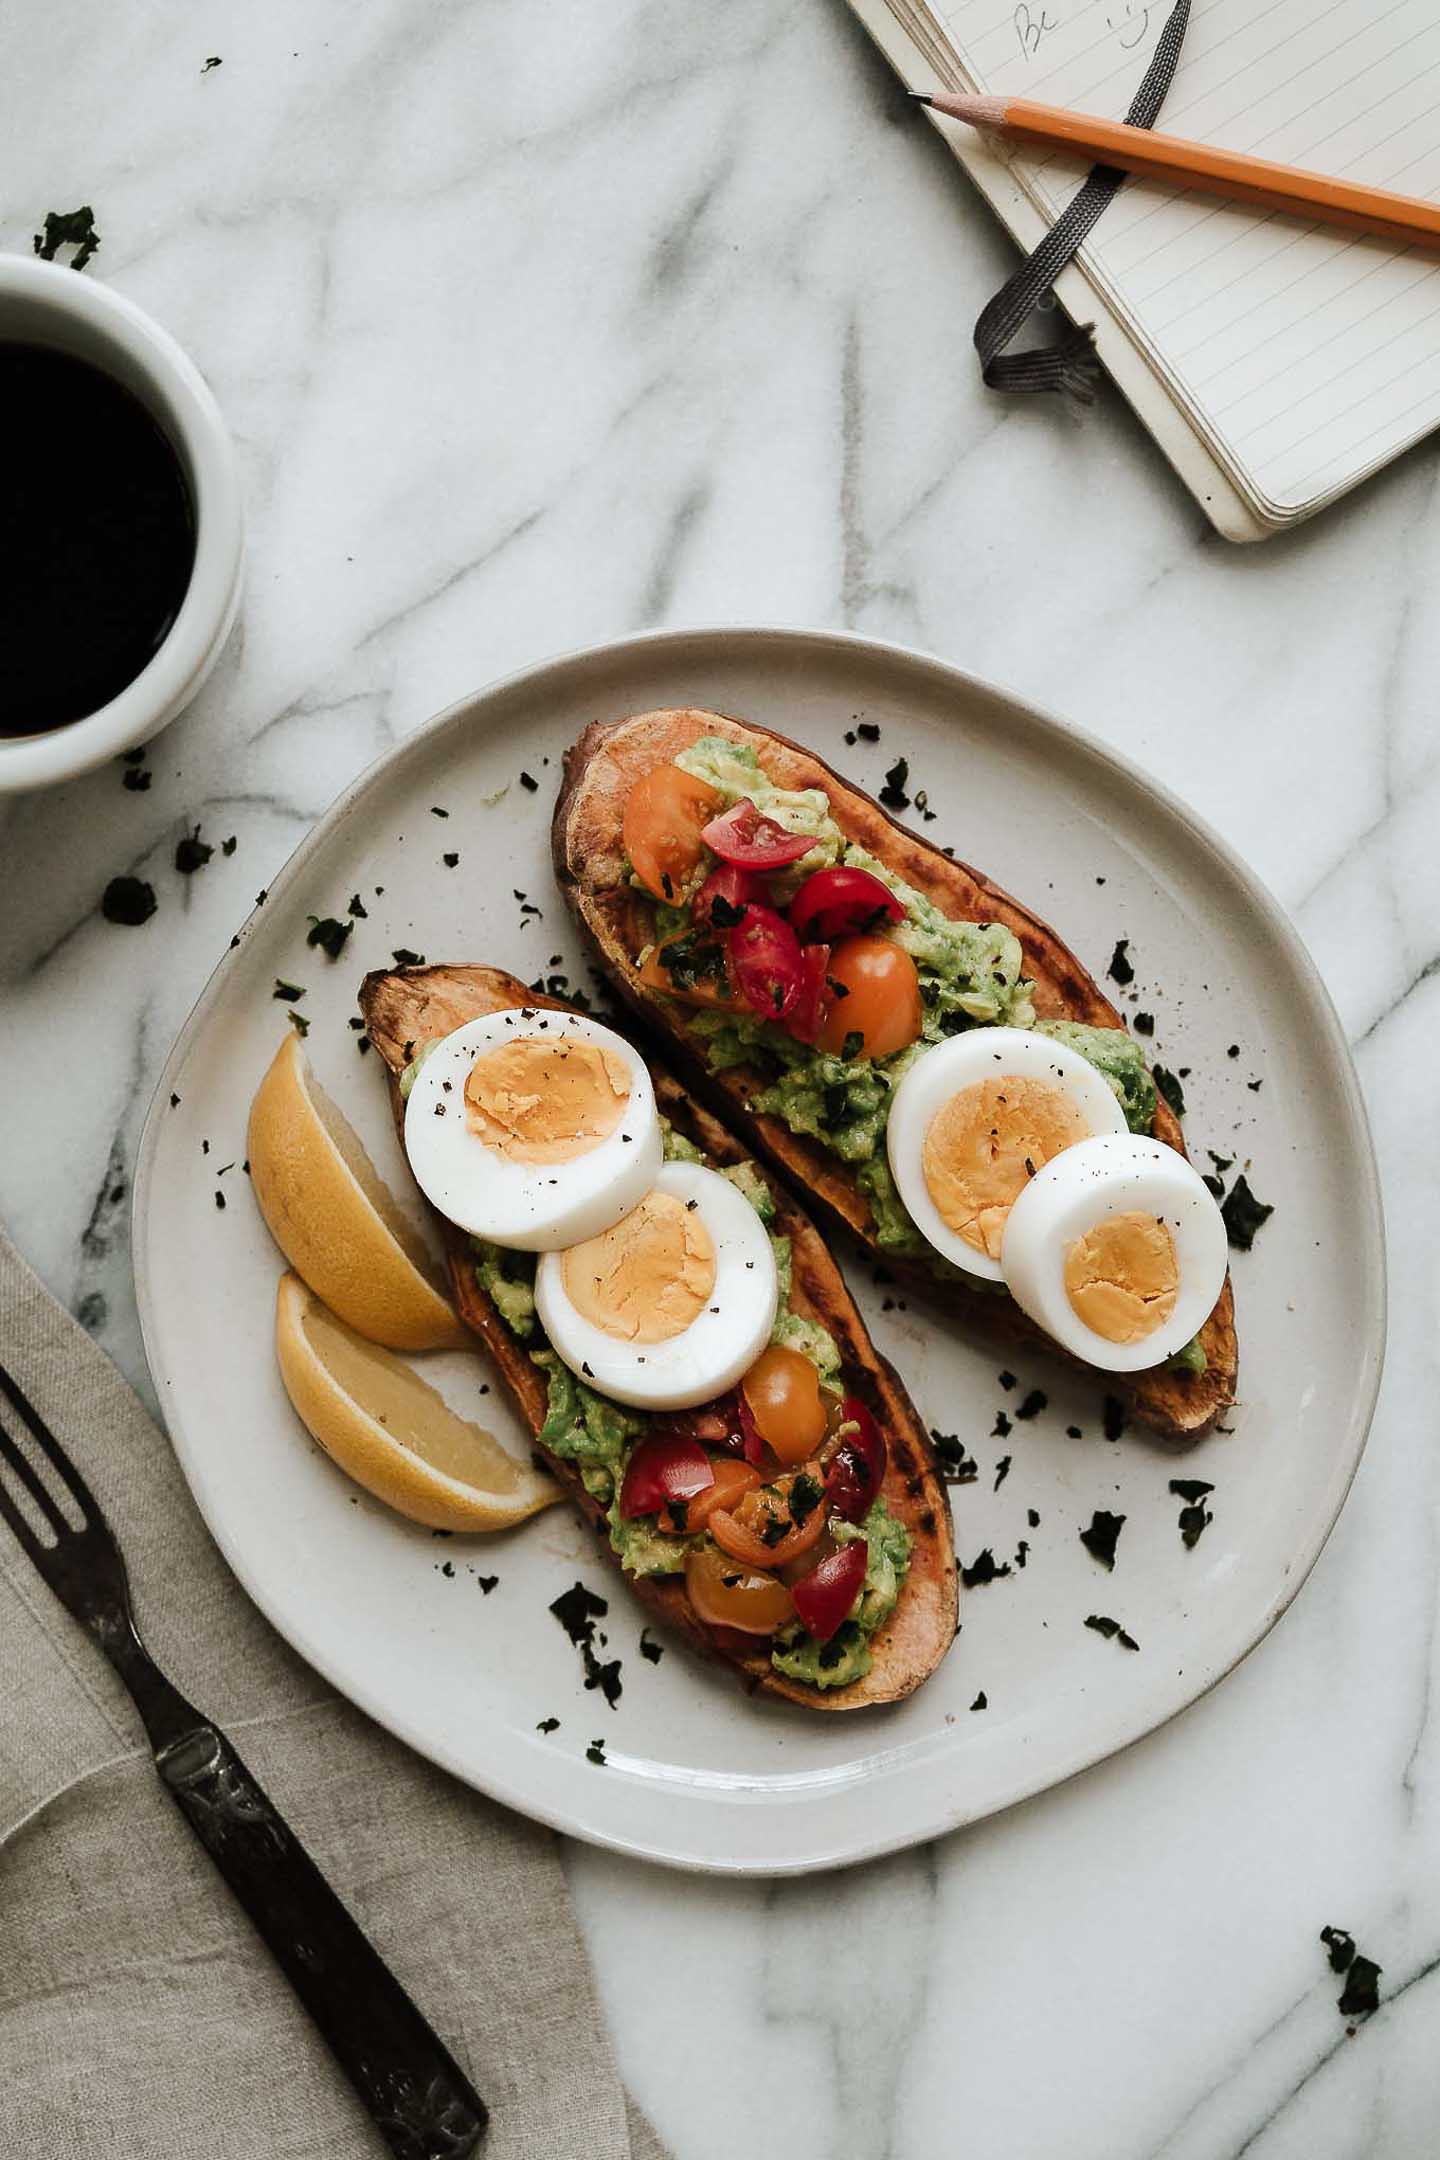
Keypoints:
(604, 1824)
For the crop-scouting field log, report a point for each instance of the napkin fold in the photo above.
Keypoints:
(139, 2015)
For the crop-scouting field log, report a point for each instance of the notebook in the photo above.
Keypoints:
(1277, 363)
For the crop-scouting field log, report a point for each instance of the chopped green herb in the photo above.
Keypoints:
(1170, 1088)
(957, 1465)
(1244, 1214)
(893, 793)
(984, 1568)
(1102, 1536)
(1121, 970)
(649, 1648)
(1361, 1993)
(128, 901)
(288, 991)
(328, 934)
(403, 957)
(1111, 1630)
(1340, 1947)
(548, 1725)
(68, 228)
(1195, 1517)
(192, 853)
(805, 1497)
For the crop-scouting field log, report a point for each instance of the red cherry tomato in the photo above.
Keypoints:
(857, 1470)
(726, 894)
(823, 1598)
(840, 903)
(752, 1444)
(765, 962)
(664, 1467)
(746, 837)
(807, 1015)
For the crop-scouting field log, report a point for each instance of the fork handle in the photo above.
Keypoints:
(416, 2093)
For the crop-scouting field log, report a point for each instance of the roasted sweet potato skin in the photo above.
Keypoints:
(405, 1007)
(600, 769)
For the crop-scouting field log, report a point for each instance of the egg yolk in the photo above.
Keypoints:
(986, 1143)
(539, 1101)
(647, 1279)
(1122, 1277)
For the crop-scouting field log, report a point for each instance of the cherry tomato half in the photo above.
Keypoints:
(765, 962)
(857, 1468)
(808, 1011)
(663, 1467)
(726, 1596)
(823, 1598)
(761, 1531)
(838, 903)
(877, 998)
(746, 837)
(782, 1393)
(727, 892)
(728, 1487)
(665, 813)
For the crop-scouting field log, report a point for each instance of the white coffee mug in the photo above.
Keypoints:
(48, 304)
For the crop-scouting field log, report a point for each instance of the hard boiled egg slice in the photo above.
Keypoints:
(1116, 1249)
(672, 1305)
(533, 1129)
(975, 1119)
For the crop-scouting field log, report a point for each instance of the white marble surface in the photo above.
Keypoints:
(538, 325)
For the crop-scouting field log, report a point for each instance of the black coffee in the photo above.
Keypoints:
(97, 538)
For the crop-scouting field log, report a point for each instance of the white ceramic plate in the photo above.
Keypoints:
(696, 1774)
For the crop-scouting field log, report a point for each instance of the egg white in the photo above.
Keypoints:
(1083, 1187)
(964, 1061)
(533, 1207)
(720, 1344)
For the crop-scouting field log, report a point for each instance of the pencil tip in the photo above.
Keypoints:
(923, 97)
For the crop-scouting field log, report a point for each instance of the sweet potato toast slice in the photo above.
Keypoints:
(600, 770)
(405, 1007)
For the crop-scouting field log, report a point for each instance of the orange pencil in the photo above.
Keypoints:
(1405, 219)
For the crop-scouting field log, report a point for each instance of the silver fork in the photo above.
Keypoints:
(416, 2093)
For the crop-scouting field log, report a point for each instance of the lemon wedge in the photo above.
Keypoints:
(390, 1431)
(335, 1219)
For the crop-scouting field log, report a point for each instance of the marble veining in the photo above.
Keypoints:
(540, 325)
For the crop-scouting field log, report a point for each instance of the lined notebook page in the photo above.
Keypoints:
(1307, 356)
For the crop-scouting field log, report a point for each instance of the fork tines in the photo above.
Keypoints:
(24, 1469)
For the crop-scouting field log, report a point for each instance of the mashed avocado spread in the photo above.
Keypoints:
(586, 1428)
(971, 975)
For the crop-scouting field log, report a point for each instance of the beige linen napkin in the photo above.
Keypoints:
(139, 2016)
